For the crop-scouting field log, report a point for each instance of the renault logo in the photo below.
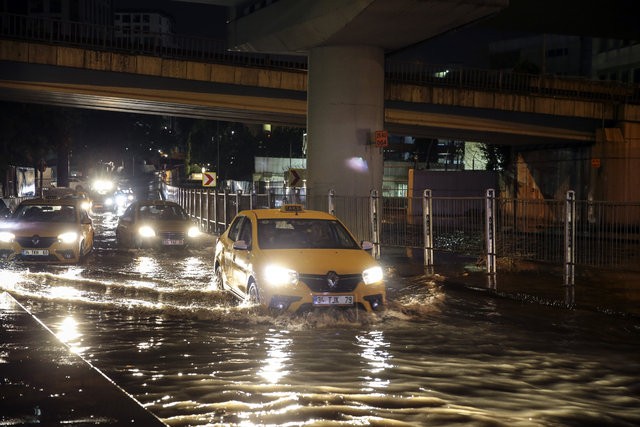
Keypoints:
(35, 240)
(332, 279)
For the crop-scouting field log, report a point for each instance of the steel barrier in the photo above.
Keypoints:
(566, 233)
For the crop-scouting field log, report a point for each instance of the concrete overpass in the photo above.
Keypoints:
(114, 81)
(355, 94)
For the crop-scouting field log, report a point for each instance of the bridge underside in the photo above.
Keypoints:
(214, 101)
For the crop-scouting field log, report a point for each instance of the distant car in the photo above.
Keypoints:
(295, 259)
(47, 230)
(156, 223)
(122, 198)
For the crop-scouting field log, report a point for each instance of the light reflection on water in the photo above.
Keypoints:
(437, 356)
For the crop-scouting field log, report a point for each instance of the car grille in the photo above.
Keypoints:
(319, 282)
(173, 235)
(41, 242)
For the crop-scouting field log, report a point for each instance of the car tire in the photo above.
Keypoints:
(217, 278)
(253, 296)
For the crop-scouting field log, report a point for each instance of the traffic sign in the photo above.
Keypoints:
(209, 179)
(296, 177)
(382, 138)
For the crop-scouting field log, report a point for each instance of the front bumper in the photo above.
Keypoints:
(56, 253)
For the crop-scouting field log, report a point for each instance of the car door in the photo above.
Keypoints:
(227, 258)
(241, 253)
(124, 229)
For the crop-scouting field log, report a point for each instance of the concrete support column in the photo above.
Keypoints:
(345, 108)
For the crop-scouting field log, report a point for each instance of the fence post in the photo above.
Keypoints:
(224, 206)
(374, 201)
(332, 202)
(215, 210)
(490, 230)
(200, 215)
(208, 210)
(238, 194)
(427, 225)
(569, 238)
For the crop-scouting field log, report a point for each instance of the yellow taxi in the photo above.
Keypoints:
(293, 259)
(47, 230)
(156, 224)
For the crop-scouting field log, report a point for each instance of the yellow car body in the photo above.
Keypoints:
(47, 230)
(281, 259)
(156, 224)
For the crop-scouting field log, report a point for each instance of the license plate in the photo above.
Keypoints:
(333, 300)
(172, 242)
(35, 252)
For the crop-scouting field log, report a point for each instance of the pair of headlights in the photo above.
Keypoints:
(147, 231)
(278, 276)
(68, 237)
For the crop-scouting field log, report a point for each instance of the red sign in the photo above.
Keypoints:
(382, 138)
(208, 179)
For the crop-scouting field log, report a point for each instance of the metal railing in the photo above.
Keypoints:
(174, 46)
(559, 232)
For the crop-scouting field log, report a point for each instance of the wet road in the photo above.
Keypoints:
(155, 324)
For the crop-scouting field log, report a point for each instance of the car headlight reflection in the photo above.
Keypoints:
(68, 237)
(278, 276)
(7, 237)
(372, 275)
(193, 232)
(146, 231)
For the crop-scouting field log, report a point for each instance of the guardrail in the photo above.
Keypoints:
(108, 38)
(564, 233)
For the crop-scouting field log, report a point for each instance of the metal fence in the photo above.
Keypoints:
(175, 46)
(564, 233)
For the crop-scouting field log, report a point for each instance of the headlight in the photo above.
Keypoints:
(372, 275)
(108, 201)
(102, 185)
(6, 237)
(68, 237)
(193, 232)
(277, 276)
(146, 231)
(85, 205)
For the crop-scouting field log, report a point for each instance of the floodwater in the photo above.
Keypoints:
(155, 324)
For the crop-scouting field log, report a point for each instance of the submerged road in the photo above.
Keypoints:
(154, 323)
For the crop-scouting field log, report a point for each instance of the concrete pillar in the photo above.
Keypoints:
(345, 108)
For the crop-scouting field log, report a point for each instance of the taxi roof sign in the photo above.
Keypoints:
(292, 208)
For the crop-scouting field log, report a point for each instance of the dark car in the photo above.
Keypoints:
(156, 223)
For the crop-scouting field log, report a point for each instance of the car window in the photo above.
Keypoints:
(245, 232)
(234, 229)
(303, 233)
(46, 213)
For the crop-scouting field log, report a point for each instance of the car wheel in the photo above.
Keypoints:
(253, 296)
(217, 278)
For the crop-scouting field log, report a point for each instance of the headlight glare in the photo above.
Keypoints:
(146, 231)
(193, 232)
(68, 237)
(372, 275)
(6, 237)
(278, 276)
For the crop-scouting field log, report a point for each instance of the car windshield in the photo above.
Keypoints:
(162, 212)
(45, 213)
(303, 233)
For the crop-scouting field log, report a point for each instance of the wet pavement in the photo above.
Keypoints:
(42, 382)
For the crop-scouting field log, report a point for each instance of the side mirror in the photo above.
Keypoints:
(367, 246)
(86, 221)
(240, 245)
